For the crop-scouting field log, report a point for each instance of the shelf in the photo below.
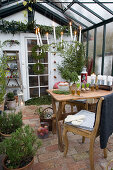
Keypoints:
(13, 86)
(14, 78)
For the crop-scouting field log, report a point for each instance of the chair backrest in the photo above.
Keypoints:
(98, 116)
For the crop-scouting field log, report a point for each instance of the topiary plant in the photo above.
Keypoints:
(10, 122)
(10, 96)
(20, 148)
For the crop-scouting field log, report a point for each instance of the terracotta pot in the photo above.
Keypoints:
(2, 106)
(27, 167)
(11, 104)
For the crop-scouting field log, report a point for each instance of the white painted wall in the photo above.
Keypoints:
(22, 38)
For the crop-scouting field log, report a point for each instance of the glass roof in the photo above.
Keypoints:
(87, 13)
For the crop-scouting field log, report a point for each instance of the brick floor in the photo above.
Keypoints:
(49, 157)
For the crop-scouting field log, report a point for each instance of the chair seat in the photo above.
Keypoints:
(88, 122)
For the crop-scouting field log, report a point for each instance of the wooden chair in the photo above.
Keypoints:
(85, 133)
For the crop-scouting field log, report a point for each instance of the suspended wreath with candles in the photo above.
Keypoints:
(38, 68)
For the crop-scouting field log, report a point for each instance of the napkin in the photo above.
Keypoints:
(75, 119)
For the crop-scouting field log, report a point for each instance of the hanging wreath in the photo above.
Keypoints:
(34, 53)
(38, 68)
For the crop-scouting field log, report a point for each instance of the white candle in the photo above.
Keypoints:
(71, 34)
(109, 82)
(99, 79)
(61, 36)
(93, 78)
(37, 37)
(104, 80)
(40, 38)
(47, 37)
(54, 32)
(75, 35)
(80, 35)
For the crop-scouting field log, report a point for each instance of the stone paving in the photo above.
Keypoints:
(49, 157)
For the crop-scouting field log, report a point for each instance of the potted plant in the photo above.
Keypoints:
(3, 66)
(73, 61)
(9, 123)
(11, 104)
(20, 149)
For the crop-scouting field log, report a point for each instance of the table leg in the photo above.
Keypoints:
(58, 126)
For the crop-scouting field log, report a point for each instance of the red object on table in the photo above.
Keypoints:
(84, 75)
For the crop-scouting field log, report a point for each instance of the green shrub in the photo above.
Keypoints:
(10, 122)
(10, 96)
(20, 148)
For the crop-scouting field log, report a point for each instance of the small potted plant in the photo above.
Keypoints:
(83, 87)
(20, 149)
(9, 123)
(11, 103)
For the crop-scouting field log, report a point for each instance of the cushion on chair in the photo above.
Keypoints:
(87, 123)
(79, 101)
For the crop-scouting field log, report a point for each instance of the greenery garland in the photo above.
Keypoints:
(17, 27)
(38, 68)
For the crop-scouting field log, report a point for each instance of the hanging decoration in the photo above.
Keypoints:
(38, 68)
(10, 42)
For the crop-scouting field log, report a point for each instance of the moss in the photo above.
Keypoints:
(39, 100)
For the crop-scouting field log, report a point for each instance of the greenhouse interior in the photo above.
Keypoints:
(56, 83)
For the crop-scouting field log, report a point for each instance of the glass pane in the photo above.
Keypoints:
(46, 69)
(82, 20)
(33, 81)
(108, 49)
(30, 44)
(45, 59)
(86, 13)
(90, 52)
(30, 58)
(43, 80)
(34, 92)
(99, 42)
(109, 5)
(43, 91)
(97, 9)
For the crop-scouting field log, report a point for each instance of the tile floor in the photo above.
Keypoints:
(49, 157)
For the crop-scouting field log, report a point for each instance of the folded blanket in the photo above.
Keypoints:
(75, 119)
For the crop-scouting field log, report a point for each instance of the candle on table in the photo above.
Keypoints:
(104, 80)
(71, 34)
(109, 82)
(80, 34)
(37, 36)
(99, 80)
(54, 32)
(75, 35)
(93, 78)
(47, 37)
(61, 36)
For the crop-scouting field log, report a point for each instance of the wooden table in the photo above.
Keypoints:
(62, 99)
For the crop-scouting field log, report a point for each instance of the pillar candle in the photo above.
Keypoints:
(75, 35)
(93, 78)
(61, 36)
(80, 34)
(71, 34)
(37, 37)
(47, 37)
(109, 82)
(54, 32)
(40, 37)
